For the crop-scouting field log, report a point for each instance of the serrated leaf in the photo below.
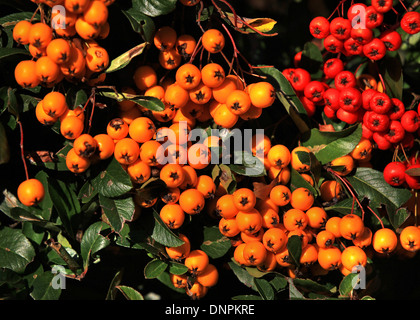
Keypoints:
(369, 183)
(163, 235)
(13, 18)
(154, 268)
(124, 59)
(16, 251)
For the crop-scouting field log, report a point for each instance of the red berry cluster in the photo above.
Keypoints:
(343, 95)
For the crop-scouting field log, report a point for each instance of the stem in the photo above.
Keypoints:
(22, 152)
(377, 217)
(347, 184)
(57, 247)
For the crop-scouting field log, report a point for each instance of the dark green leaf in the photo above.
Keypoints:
(113, 181)
(214, 243)
(391, 69)
(264, 288)
(154, 268)
(117, 210)
(93, 241)
(294, 246)
(287, 97)
(177, 268)
(311, 60)
(297, 181)
(369, 183)
(4, 146)
(154, 8)
(44, 288)
(348, 284)
(242, 275)
(164, 235)
(141, 23)
(10, 52)
(16, 251)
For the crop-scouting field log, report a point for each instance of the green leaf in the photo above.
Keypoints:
(242, 275)
(93, 241)
(312, 60)
(151, 103)
(287, 97)
(4, 146)
(10, 52)
(16, 251)
(340, 147)
(391, 69)
(348, 284)
(13, 18)
(247, 297)
(164, 235)
(75, 97)
(64, 201)
(154, 8)
(154, 268)
(113, 181)
(247, 165)
(264, 288)
(297, 181)
(329, 145)
(369, 183)
(43, 288)
(125, 58)
(130, 293)
(214, 243)
(140, 23)
(117, 210)
(294, 246)
(177, 268)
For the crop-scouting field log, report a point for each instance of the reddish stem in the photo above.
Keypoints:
(377, 217)
(22, 152)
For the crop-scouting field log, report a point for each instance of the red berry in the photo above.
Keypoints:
(410, 22)
(362, 36)
(332, 44)
(332, 67)
(346, 116)
(345, 79)
(376, 122)
(410, 121)
(366, 97)
(394, 173)
(314, 91)
(319, 27)
(382, 6)
(412, 181)
(374, 50)
(397, 109)
(340, 28)
(395, 132)
(392, 40)
(373, 18)
(352, 47)
(350, 99)
(331, 98)
(299, 79)
(381, 141)
(380, 103)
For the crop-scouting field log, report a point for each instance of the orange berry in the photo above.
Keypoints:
(31, 192)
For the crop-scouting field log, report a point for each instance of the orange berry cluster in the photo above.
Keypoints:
(66, 48)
